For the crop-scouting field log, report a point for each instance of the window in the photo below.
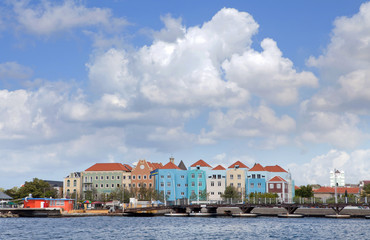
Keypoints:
(186, 184)
(252, 185)
(182, 193)
(101, 185)
(129, 177)
(219, 193)
(138, 185)
(96, 178)
(253, 175)
(192, 192)
(219, 176)
(124, 185)
(232, 184)
(182, 176)
(150, 185)
(107, 185)
(133, 176)
(259, 185)
(162, 176)
(91, 179)
(112, 185)
(178, 185)
(144, 176)
(212, 193)
(239, 185)
(168, 192)
(133, 185)
(168, 176)
(271, 185)
(118, 185)
(129, 185)
(169, 184)
(199, 175)
(199, 184)
(150, 176)
(101, 177)
(112, 177)
(192, 175)
(68, 183)
(278, 185)
(107, 177)
(199, 192)
(214, 176)
(144, 185)
(85, 179)
(138, 177)
(231, 176)
(219, 183)
(212, 183)
(96, 185)
(239, 176)
(123, 177)
(258, 176)
(192, 184)
(162, 184)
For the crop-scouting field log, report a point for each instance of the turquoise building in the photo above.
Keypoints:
(197, 184)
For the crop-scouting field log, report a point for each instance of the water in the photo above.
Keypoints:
(182, 228)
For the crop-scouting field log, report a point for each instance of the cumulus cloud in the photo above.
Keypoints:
(267, 74)
(316, 171)
(47, 17)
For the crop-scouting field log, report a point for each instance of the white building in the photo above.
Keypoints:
(337, 176)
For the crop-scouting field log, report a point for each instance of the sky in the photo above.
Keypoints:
(269, 82)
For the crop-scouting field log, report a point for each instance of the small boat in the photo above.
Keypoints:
(176, 214)
(244, 215)
(338, 216)
(290, 216)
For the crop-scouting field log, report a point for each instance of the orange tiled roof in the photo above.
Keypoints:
(157, 165)
(107, 167)
(275, 168)
(296, 188)
(257, 167)
(129, 168)
(201, 163)
(219, 167)
(170, 165)
(340, 190)
(277, 179)
(241, 165)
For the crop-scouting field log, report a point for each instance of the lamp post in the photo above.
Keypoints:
(335, 185)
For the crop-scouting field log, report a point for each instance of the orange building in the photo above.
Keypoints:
(64, 204)
(140, 175)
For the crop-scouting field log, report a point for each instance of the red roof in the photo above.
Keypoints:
(275, 168)
(129, 168)
(241, 165)
(340, 190)
(201, 163)
(107, 167)
(296, 188)
(219, 167)
(170, 165)
(277, 179)
(157, 165)
(257, 167)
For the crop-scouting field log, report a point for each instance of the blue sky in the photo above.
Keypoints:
(272, 82)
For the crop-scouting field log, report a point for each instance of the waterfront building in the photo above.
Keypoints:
(329, 192)
(256, 179)
(140, 174)
(279, 186)
(337, 178)
(197, 185)
(64, 204)
(216, 183)
(172, 182)
(103, 178)
(72, 185)
(236, 175)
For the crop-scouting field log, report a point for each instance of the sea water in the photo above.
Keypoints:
(183, 228)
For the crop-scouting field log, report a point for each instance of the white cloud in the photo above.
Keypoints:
(267, 74)
(172, 31)
(14, 71)
(355, 165)
(47, 17)
(349, 46)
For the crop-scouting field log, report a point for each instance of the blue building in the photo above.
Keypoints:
(197, 184)
(256, 179)
(172, 182)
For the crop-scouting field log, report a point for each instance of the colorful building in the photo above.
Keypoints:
(72, 185)
(256, 179)
(64, 204)
(197, 185)
(172, 182)
(279, 186)
(140, 175)
(216, 183)
(236, 175)
(103, 178)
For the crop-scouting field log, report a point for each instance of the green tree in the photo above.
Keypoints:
(38, 188)
(13, 192)
(231, 192)
(304, 191)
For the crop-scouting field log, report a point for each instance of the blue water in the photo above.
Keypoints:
(183, 228)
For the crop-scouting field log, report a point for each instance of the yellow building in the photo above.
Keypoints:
(236, 175)
(72, 185)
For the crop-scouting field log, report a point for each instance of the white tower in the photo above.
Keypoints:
(338, 178)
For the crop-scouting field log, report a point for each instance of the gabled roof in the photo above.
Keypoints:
(277, 179)
(239, 163)
(219, 167)
(275, 168)
(129, 168)
(296, 188)
(170, 165)
(4, 196)
(201, 163)
(156, 165)
(182, 165)
(340, 190)
(54, 183)
(107, 167)
(257, 168)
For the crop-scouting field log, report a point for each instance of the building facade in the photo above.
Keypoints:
(236, 176)
(140, 174)
(197, 185)
(216, 183)
(279, 186)
(256, 179)
(72, 185)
